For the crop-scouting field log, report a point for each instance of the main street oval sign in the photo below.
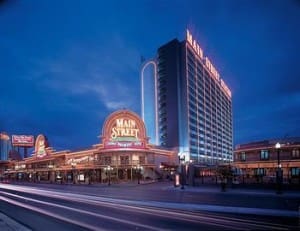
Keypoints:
(124, 129)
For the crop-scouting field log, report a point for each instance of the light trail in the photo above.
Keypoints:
(36, 209)
(140, 206)
(50, 214)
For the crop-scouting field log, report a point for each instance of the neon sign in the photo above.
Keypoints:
(124, 128)
(225, 88)
(194, 44)
(198, 50)
(41, 146)
(212, 69)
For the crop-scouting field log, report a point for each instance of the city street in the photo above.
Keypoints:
(146, 207)
(149, 115)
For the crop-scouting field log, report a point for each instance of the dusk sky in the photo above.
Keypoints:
(66, 65)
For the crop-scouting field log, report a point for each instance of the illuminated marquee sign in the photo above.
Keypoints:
(124, 129)
(198, 50)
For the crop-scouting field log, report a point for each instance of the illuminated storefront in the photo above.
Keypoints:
(124, 154)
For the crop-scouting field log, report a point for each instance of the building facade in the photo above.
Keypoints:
(259, 161)
(5, 146)
(123, 154)
(194, 107)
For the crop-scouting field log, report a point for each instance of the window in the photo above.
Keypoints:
(142, 159)
(107, 160)
(124, 160)
(264, 154)
(295, 153)
(243, 156)
(295, 172)
(260, 172)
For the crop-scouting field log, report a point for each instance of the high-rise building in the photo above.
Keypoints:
(5, 146)
(193, 104)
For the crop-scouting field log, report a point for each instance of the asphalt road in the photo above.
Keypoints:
(132, 207)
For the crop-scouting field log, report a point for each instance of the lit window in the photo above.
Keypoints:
(142, 159)
(243, 156)
(295, 171)
(260, 172)
(107, 160)
(264, 154)
(124, 160)
(295, 153)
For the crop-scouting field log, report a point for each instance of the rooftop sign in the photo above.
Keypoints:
(22, 140)
(124, 129)
(198, 50)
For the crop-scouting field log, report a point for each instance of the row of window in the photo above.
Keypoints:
(207, 107)
(208, 144)
(211, 90)
(210, 153)
(294, 171)
(211, 107)
(213, 139)
(208, 96)
(192, 68)
(221, 119)
(213, 118)
(265, 155)
(124, 160)
(210, 138)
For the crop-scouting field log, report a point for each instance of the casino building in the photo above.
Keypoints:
(186, 104)
(123, 154)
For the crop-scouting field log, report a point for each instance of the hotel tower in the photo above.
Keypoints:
(185, 103)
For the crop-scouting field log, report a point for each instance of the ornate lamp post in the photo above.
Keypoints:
(182, 175)
(50, 167)
(138, 168)
(279, 171)
(73, 164)
(108, 169)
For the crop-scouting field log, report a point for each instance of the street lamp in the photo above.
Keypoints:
(181, 161)
(139, 169)
(108, 169)
(73, 164)
(279, 172)
(50, 167)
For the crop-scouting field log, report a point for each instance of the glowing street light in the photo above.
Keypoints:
(108, 169)
(279, 171)
(139, 169)
(73, 165)
(181, 157)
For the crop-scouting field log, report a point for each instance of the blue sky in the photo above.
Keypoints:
(66, 65)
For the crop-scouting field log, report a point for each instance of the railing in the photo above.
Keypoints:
(124, 163)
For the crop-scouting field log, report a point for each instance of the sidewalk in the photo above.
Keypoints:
(235, 190)
(8, 224)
